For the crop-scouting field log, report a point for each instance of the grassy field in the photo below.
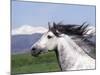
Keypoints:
(25, 63)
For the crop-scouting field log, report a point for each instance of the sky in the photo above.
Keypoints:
(39, 14)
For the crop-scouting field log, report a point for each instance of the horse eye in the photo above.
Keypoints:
(49, 36)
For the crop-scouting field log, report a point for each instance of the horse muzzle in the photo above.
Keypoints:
(35, 52)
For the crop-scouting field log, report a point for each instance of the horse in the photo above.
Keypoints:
(69, 54)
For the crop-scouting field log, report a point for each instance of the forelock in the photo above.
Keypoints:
(54, 31)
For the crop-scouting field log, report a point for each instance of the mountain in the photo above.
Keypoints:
(23, 43)
(27, 29)
(24, 37)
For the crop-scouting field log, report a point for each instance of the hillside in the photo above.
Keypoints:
(25, 63)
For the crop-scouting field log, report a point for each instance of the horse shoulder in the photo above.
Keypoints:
(86, 62)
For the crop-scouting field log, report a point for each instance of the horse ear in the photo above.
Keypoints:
(49, 25)
(54, 25)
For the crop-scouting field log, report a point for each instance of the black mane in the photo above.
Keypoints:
(70, 29)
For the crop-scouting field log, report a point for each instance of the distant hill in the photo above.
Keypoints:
(22, 43)
(24, 37)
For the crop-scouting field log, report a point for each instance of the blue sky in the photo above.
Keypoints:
(39, 14)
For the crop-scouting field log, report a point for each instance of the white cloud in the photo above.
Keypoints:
(27, 29)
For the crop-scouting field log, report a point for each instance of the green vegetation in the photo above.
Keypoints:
(25, 63)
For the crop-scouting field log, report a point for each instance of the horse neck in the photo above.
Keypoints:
(86, 44)
(68, 52)
(65, 43)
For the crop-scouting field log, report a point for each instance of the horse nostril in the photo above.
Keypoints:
(33, 48)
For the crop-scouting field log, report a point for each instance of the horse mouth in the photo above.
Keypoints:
(35, 54)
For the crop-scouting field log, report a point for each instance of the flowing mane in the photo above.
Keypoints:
(70, 29)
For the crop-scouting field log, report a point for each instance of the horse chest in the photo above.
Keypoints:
(66, 60)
